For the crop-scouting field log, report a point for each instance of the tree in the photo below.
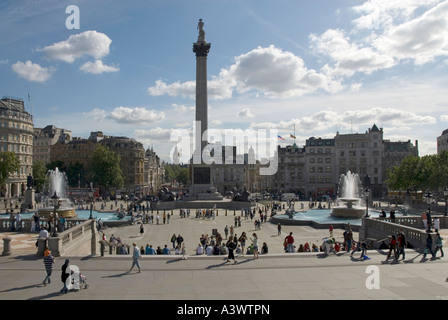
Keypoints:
(419, 173)
(177, 173)
(39, 174)
(9, 163)
(105, 168)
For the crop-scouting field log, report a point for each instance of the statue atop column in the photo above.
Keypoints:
(201, 37)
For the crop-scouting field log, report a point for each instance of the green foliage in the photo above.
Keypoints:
(419, 173)
(105, 168)
(9, 163)
(177, 173)
(39, 174)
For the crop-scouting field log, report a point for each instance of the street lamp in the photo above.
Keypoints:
(428, 197)
(445, 193)
(91, 200)
(56, 204)
(366, 193)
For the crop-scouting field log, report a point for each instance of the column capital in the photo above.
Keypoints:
(201, 48)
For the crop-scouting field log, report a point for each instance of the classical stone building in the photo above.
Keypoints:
(142, 171)
(291, 170)
(154, 172)
(16, 135)
(44, 138)
(442, 142)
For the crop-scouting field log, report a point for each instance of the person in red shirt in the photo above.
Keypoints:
(289, 243)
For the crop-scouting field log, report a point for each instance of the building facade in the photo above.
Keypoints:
(44, 138)
(442, 142)
(16, 135)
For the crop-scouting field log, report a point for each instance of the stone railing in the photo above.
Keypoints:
(375, 229)
(26, 224)
(81, 239)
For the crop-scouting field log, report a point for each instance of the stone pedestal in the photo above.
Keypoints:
(29, 203)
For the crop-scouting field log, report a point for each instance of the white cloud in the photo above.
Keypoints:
(96, 114)
(245, 113)
(349, 57)
(32, 71)
(421, 39)
(351, 119)
(97, 67)
(124, 115)
(270, 71)
(444, 118)
(136, 115)
(88, 43)
(378, 14)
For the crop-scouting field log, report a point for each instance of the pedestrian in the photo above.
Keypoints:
(142, 230)
(279, 229)
(48, 262)
(65, 276)
(436, 224)
(226, 231)
(255, 245)
(184, 252)
(401, 243)
(289, 243)
(231, 246)
(439, 245)
(428, 248)
(242, 239)
(135, 257)
(331, 230)
(392, 247)
(173, 240)
(349, 239)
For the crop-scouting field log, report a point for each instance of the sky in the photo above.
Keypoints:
(303, 68)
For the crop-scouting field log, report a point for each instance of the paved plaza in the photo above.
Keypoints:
(275, 276)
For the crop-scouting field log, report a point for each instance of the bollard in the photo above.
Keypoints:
(102, 247)
(6, 246)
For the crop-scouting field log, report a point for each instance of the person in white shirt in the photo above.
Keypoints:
(200, 249)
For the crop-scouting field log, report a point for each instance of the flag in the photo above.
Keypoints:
(292, 136)
(280, 137)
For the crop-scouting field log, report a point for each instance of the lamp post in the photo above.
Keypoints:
(428, 197)
(366, 193)
(55, 199)
(91, 200)
(445, 193)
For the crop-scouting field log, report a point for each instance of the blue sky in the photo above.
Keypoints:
(306, 67)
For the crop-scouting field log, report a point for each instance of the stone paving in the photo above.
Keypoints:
(275, 276)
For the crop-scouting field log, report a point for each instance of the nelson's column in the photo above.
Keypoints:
(202, 182)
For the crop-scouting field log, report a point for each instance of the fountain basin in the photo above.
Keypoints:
(349, 213)
(62, 212)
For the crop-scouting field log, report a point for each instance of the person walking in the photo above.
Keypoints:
(231, 246)
(242, 239)
(279, 229)
(401, 242)
(48, 262)
(439, 245)
(255, 245)
(289, 243)
(184, 251)
(64, 276)
(392, 247)
(135, 257)
(142, 230)
(428, 248)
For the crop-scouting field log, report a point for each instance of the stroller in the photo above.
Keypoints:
(83, 281)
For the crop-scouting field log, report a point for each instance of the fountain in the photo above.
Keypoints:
(349, 193)
(56, 183)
